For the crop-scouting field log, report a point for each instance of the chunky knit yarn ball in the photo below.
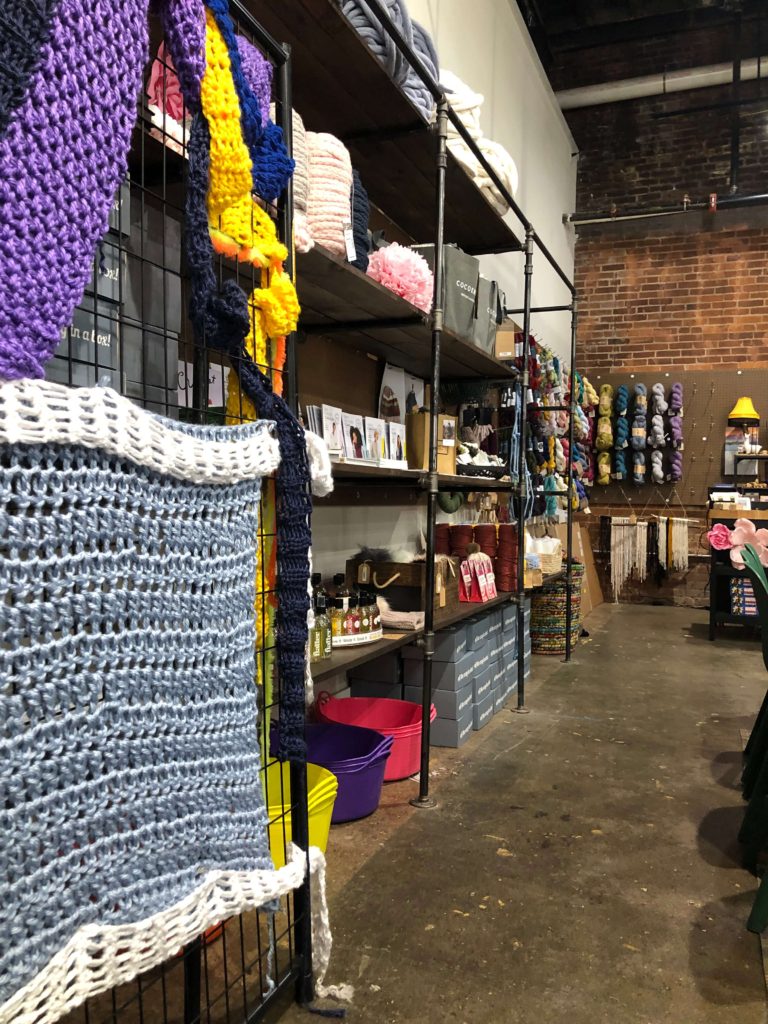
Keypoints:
(329, 208)
(361, 209)
(405, 273)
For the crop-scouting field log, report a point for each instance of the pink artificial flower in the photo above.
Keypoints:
(720, 537)
(745, 532)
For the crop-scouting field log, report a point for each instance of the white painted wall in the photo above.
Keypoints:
(486, 43)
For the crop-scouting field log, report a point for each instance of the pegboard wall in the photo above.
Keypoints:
(708, 397)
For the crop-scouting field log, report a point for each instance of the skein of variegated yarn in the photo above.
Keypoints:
(329, 207)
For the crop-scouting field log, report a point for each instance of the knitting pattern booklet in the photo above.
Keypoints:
(396, 437)
(354, 436)
(332, 429)
(392, 394)
(376, 438)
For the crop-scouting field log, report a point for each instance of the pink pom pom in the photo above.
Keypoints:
(405, 273)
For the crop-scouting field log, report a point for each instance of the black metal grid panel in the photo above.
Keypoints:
(131, 331)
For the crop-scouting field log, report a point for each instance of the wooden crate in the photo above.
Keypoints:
(407, 592)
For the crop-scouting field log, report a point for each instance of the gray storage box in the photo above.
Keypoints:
(450, 732)
(385, 669)
(483, 712)
(448, 675)
(494, 625)
(482, 684)
(487, 315)
(509, 618)
(478, 631)
(366, 688)
(448, 703)
(484, 659)
(460, 276)
(499, 676)
(450, 645)
(508, 646)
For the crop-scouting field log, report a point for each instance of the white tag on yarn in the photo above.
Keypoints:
(349, 242)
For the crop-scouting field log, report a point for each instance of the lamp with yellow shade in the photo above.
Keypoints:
(744, 415)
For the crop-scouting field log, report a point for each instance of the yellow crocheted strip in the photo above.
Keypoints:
(247, 233)
(279, 304)
(231, 170)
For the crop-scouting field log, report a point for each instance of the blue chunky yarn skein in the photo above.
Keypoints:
(220, 319)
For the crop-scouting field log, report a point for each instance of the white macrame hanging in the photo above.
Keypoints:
(679, 554)
(662, 542)
(629, 552)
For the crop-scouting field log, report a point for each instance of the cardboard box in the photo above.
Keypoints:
(449, 732)
(461, 273)
(505, 339)
(417, 442)
(407, 590)
(483, 712)
(448, 703)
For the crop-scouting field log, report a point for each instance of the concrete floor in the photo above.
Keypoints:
(581, 865)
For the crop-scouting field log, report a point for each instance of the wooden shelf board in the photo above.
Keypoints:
(333, 293)
(342, 660)
(351, 471)
(338, 86)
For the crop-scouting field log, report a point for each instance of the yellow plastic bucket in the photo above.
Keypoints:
(321, 785)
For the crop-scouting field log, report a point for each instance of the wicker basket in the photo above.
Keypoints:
(548, 614)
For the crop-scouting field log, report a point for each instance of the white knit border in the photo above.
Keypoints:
(100, 957)
(40, 412)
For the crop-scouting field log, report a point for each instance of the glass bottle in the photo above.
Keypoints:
(375, 615)
(351, 617)
(342, 591)
(365, 612)
(323, 627)
(336, 615)
(316, 639)
(317, 586)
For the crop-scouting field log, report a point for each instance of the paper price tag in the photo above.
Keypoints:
(349, 242)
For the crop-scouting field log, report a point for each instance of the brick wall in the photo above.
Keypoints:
(685, 292)
(673, 300)
(632, 155)
(669, 51)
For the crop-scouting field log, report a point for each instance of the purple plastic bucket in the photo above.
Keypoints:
(358, 758)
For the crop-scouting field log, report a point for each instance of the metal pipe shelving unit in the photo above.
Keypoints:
(532, 243)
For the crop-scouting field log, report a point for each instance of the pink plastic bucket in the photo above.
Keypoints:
(400, 719)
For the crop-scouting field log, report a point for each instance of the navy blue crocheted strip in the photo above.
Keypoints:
(220, 319)
(272, 166)
(24, 28)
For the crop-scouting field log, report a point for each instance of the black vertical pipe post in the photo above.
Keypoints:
(569, 541)
(735, 114)
(522, 488)
(423, 799)
(285, 218)
(302, 928)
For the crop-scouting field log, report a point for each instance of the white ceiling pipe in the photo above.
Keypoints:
(659, 84)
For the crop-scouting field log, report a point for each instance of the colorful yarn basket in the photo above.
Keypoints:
(548, 612)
